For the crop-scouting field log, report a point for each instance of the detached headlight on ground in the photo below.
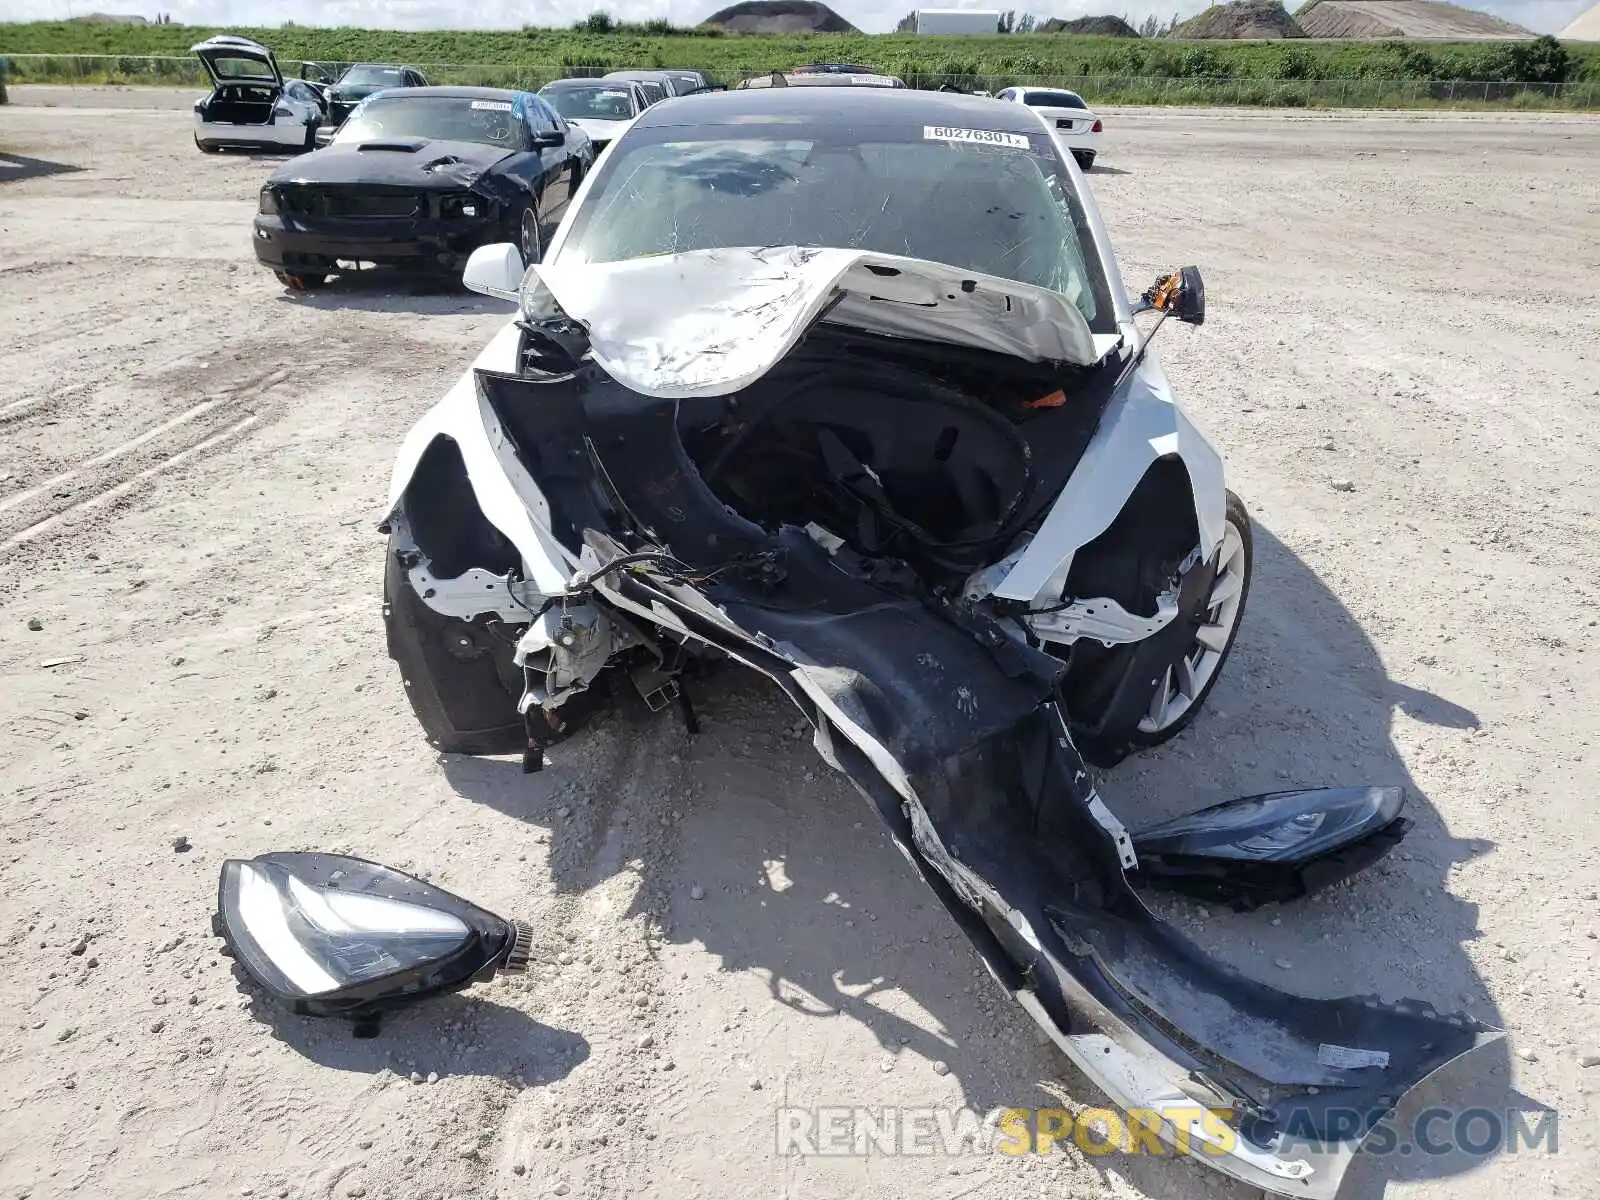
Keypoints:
(1275, 847)
(332, 935)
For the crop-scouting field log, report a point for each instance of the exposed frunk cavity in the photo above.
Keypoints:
(937, 456)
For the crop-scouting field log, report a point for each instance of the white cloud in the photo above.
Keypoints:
(874, 16)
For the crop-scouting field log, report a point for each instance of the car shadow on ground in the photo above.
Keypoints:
(452, 1035)
(1304, 701)
(1102, 169)
(14, 168)
(380, 290)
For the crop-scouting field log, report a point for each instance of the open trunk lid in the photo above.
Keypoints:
(230, 59)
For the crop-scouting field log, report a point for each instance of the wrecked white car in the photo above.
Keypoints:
(843, 385)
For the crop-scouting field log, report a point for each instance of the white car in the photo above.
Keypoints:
(843, 385)
(250, 106)
(602, 108)
(1072, 122)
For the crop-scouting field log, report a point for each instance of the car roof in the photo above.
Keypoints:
(844, 106)
(562, 84)
(449, 92)
(821, 79)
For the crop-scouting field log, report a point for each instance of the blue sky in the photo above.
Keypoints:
(874, 16)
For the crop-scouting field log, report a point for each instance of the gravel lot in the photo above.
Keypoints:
(1402, 366)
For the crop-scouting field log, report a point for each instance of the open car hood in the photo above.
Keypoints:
(214, 51)
(709, 322)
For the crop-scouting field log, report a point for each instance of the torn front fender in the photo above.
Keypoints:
(1141, 424)
(506, 494)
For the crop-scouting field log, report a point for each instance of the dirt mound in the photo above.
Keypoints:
(1095, 26)
(1241, 19)
(1586, 28)
(1404, 19)
(779, 16)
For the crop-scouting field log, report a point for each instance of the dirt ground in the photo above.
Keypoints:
(1402, 367)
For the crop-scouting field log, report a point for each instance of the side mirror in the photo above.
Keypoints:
(550, 140)
(1181, 294)
(495, 270)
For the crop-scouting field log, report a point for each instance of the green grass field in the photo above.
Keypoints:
(1126, 70)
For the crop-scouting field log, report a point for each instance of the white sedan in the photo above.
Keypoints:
(250, 106)
(1074, 124)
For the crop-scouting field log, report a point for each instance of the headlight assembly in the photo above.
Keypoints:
(327, 934)
(1273, 847)
(268, 202)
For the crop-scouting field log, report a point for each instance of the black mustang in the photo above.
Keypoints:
(420, 178)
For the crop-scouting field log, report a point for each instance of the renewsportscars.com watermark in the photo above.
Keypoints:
(839, 1131)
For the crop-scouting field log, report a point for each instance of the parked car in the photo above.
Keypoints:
(1072, 123)
(833, 69)
(419, 178)
(362, 80)
(819, 79)
(845, 387)
(602, 108)
(250, 106)
(657, 85)
(685, 83)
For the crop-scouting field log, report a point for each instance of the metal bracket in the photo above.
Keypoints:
(1107, 820)
(472, 593)
(1103, 620)
(475, 592)
(657, 688)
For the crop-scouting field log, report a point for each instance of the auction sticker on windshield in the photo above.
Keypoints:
(492, 105)
(984, 137)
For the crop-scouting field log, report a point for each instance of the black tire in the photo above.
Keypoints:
(461, 679)
(455, 673)
(1239, 518)
(1105, 751)
(297, 282)
(530, 238)
(1085, 158)
(204, 148)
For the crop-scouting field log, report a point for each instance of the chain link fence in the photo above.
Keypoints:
(1098, 89)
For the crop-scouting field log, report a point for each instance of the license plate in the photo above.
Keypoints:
(1063, 124)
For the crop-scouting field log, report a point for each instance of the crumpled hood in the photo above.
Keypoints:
(709, 322)
(417, 162)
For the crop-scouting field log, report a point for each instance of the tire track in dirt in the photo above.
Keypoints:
(106, 456)
(60, 502)
(118, 491)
